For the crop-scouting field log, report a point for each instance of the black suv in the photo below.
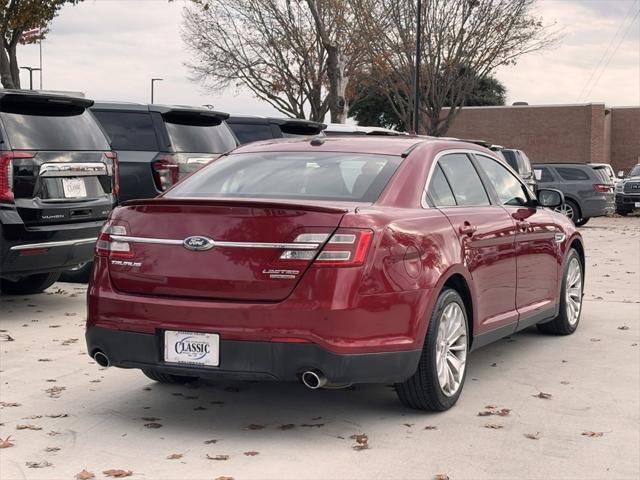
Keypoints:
(628, 192)
(248, 128)
(58, 184)
(157, 144)
(519, 161)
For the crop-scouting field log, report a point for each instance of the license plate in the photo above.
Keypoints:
(74, 188)
(194, 348)
(637, 204)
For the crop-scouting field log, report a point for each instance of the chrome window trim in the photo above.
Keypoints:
(61, 243)
(438, 156)
(216, 243)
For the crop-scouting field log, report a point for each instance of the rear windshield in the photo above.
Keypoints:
(128, 130)
(251, 132)
(191, 137)
(289, 175)
(44, 127)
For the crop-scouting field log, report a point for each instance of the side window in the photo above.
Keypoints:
(543, 175)
(439, 189)
(464, 180)
(569, 173)
(128, 130)
(251, 132)
(509, 189)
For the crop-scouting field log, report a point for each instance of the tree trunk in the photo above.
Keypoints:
(5, 70)
(13, 64)
(342, 82)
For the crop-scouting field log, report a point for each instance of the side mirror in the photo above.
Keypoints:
(620, 174)
(550, 198)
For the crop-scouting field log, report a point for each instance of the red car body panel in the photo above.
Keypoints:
(511, 265)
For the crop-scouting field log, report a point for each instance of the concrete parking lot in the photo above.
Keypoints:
(62, 413)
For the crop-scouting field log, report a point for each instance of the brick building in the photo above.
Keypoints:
(558, 133)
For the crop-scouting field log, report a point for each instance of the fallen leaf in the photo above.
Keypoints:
(286, 426)
(44, 359)
(408, 425)
(494, 364)
(255, 426)
(592, 434)
(504, 412)
(209, 442)
(546, 396)
(54, 392)
(27, 426)
(224, 478)
(58, 415)
(251, 453)
(54, 326)
(441, 476)
(493, 426)
(153, 425)
(69, 341)
(490, 407)
(85, 475)
(564, 382)
(6, 443)
(311, 425)
(117, 473)
(150, 419)
(430, 427)
(52, 449)
(174, 456)
(594, 339)
(218, 457)
(533, 436)
(199, 408)
(42, 464)
(362, 441)
(10, 404)
(623, 327)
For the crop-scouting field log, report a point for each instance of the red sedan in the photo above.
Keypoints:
(334, 261)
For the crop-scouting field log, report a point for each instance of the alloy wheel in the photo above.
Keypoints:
(451, 349)
(567, 210)
(573, 291)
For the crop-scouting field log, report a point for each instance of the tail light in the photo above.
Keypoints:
(602, 188)
(113, 156)
(108, 246)
(166, 171)
(345, 248)
(6, 173)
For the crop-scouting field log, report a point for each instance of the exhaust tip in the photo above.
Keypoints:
(314, 379)
(101, 359)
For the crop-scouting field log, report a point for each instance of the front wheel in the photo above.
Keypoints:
(30, 284)
(570, 209)
(441, 372)
(570, 300)
(581, 221)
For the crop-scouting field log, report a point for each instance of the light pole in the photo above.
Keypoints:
(416, 80)
(31, 70)
(152, 81)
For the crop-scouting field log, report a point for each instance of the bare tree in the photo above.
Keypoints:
(270, 47)
(463, 41)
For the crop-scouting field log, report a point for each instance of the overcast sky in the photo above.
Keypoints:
(110, 49)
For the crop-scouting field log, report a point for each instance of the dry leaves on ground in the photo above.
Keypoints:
(209, 442)
(286, 426)
(546, 396)
(594, 339)
(27, 426)
(10, 404)
(251, 453)
(362, 441)
(255, 426)
(174, 456)
(150, 419)
(55, 392)
(6, 443)
(533, 436)
(589, 433)
(117, 473)
(311, 425)
(69, 341)
(85, 475)
(52, 449)
(430, 427)
(42, 464)
(493, 426)
(217, 457)
(623, 327)
(153, 425)
(441, 476)
(224, 478)
(503, 412)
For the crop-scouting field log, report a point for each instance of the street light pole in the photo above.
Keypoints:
(416, 80)
(152, 82)
(31, 70)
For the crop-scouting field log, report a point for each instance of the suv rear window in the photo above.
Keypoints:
(128, 130)
(193, 134)
(36, 126)
(288, 175)
(570, 173)
(251, 132)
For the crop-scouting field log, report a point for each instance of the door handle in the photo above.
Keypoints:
(467, 229)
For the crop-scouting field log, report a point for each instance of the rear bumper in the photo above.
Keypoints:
(598, 205)
(255, 360)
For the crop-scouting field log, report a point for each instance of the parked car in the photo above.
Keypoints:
(57, 187)
(330, 265)
(157, 144)
(588, 193)
(519, 161)
(248, 128)
(342, 129)
(606, 169)
(628, 192)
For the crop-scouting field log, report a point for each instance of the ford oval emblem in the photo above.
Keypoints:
(198, 243)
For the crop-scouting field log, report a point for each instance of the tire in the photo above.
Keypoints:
(31, 284)
(424, 390)
(168, 378)
(581, 222)
(567, 321)
(571, 210)
(80, 274)
(623, 212)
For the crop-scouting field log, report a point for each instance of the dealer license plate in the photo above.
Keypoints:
(194, 348)
(74, 188)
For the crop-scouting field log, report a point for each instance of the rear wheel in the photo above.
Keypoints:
(580, 222)
(79, 274)
(30, 284)
(441, 372)
(168, 378)
(570, 300)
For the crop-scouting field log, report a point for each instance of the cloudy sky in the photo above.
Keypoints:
(109, 49)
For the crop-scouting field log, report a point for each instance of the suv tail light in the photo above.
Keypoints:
(107, 246)
(602, 188)
(113, 156)
(6, 173)
(165, 171)
(347, 247)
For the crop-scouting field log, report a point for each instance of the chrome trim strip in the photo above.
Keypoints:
(72, 169)
(216, 243)
(61, 243)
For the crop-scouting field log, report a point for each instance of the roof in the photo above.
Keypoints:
(361, 129)
(162, 109)
(9, 95)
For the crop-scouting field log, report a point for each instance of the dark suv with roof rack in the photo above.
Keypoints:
(58, 184)
(250, 128)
